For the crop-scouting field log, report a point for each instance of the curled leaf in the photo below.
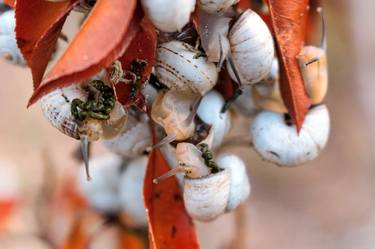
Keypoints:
(289, 22)
(108, 30)
(169, 224)
(38, 25)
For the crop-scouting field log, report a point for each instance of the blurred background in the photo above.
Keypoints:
(327, 204)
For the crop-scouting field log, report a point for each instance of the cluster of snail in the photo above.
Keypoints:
(190, 116)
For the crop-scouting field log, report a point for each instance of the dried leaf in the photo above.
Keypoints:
(38, 25)
(289, 22)
(169, 224)
(77, 238)
(142, 48)
(131, 241)
(9, 2)
(107, 32)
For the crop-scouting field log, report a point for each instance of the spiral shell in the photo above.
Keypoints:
(239, 183)
(252, 48)
(133, 140)
(315, 75)
(210, 112)
(279, 142)
(56, 107)
(102, 191)
(170, 110)
(169, 15)
(8, 44)
(131, 190)
(180, 67)
(206, 198)
(216, 6)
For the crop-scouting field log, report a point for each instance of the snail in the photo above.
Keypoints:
(172, 110)
(85, 112)
(209, 188)
(252, 49)
(131, 190)
(85, 6)
(213, 33)
(133, 140)
(169, 15)
(102, 192)
(277, 140)
(209, 111)
(181, 67)
(9, 182)
(8, 44)
(266, 94)
(313, 66)
(216, 6)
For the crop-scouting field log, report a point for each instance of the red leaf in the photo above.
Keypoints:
(9, 2)
(38, 25)
(107, 31)
(142, 47)
(289, 22)
(169, 224)
(243, 5)
(131, 241)
(77, 238)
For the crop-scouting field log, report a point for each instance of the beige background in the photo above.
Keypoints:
(326, 204)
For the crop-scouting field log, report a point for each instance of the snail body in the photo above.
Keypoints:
(171, 109)
(181, 67)
(133, 140)
(252, 48)
(315, 74)
(8, 44)
(169, 15)
(131, 190)
(216, 6)
(277, 141)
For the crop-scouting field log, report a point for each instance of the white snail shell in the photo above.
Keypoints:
(216, 6)
(239, 183)
(279, 142)
(8, 43)
(315, 75)
(252, 48)
(131, 190)
(102, 191)
(169, 15)
(133, 140)
(210, 112)
(56, 107)
(213, 33)
(9, 182)
(170, 110)
(206, 198)
(179, 66)
(190, 156)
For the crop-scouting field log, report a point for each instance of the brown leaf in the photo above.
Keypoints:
(77, 238)
(108, 30)
(38, 25)
(169, 224)
(142, 47)
(289, 22)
